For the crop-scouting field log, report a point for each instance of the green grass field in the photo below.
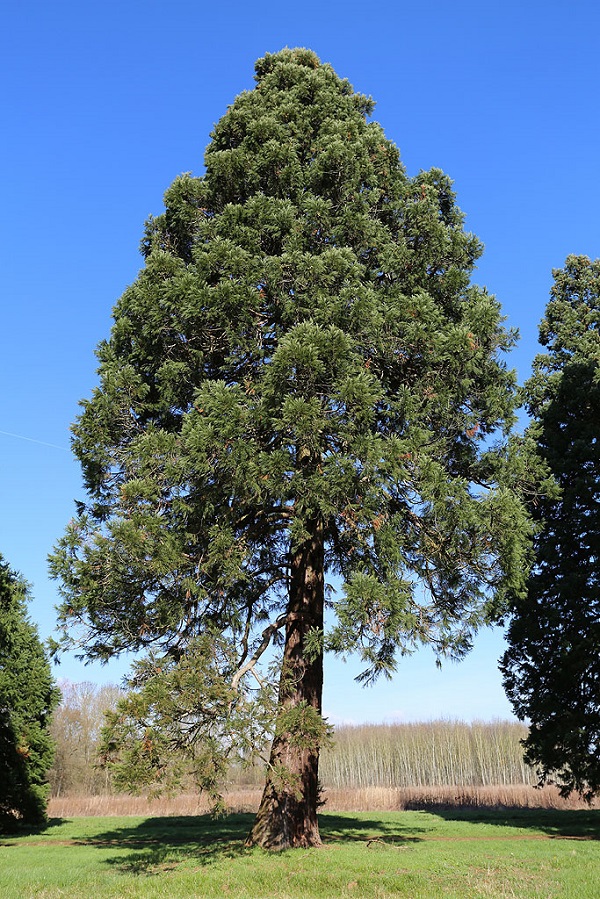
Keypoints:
(520, 853)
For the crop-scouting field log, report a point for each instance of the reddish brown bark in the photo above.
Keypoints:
(287, 816)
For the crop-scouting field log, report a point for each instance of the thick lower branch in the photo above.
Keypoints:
(267, 635)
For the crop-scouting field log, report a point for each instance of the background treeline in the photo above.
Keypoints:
(75, 728)
(436, 753)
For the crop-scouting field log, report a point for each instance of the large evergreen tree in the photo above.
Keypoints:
(552, 666)
(302, 385)
(27, 698)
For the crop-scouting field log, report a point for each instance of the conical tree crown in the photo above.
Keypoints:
(552, 666)
(303, 354)
(27, 697)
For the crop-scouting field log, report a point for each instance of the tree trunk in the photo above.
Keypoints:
(287, 816)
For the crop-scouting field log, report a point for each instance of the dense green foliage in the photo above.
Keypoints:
(302, 384)
(552, 666)
(187, 706)
(27, 697)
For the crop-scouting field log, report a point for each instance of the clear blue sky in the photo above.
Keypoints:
(104, 103)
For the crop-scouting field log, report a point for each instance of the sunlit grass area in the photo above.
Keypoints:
(452, 852)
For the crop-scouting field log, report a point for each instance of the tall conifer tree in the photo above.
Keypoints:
(27, 697)
(552, 665)
(302, 385)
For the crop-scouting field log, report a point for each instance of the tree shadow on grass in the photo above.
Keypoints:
(160, 844)
(582, 824)
(16, 829)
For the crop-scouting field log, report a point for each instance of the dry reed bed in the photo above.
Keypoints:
(367, 799)
(123, 805)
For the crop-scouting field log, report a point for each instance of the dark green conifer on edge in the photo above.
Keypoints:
(301, 385)
(28, 696)
(552, 666)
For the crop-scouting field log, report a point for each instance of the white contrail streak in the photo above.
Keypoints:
(33, 440)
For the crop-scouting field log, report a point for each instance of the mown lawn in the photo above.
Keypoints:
(521, 853)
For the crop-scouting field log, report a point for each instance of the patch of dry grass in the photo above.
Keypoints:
(125, 805)
(402, 798)
(365, 799)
